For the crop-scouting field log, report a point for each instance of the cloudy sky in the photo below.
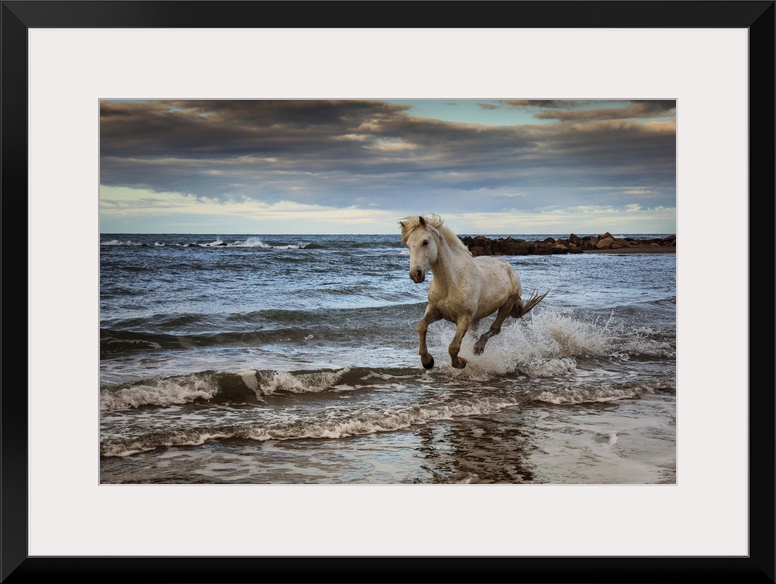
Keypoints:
(357, 166)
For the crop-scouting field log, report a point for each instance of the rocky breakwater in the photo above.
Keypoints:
(481, 245)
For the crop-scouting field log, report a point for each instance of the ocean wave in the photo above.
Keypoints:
(331, 423)
(248, 386)
(256, 328)
(118, 242)
(118, 343)
(345, 425)
(161, 392)
(577, 395)
(288, 241)
(252, 386)
(599, 390)
(253, 242)
(549, 344)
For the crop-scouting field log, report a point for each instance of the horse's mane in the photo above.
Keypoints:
(409, 224)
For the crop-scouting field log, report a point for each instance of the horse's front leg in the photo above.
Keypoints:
(494, 329)
(430, 316)
(455, 347)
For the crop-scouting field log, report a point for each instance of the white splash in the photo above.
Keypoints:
(543, 344)
(161, 392)
(299, 382)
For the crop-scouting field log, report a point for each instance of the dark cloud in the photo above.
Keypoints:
(630, 110)
(661, 106)
(225, 128)
(335, 152)
(544, 103)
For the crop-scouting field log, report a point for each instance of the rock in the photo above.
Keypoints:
(511, 246)
(604, 242)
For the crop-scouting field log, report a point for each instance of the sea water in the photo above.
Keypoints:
(294, 359)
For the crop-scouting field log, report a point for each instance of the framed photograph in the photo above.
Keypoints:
(159, 155)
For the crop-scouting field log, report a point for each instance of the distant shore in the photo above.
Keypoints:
(604, 243)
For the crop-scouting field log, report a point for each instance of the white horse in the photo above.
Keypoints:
(464, 289)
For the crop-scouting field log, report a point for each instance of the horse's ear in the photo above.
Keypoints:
(422, 221)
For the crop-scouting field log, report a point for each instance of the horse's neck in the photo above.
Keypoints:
(451, 266)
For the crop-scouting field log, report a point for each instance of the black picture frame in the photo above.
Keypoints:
(756, 16)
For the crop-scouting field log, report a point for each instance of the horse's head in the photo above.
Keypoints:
(420, 238)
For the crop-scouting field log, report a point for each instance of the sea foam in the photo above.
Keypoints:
(544, 344)
(159, 392)
(270, 382)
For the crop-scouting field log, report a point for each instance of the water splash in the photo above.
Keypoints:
(546, 343)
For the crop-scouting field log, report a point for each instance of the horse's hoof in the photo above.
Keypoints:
(460, 364)
(429, 364)
(478, 350)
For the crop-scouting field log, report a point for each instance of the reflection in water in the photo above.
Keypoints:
(476, 450)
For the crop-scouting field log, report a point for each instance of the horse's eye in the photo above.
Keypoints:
(425, 242)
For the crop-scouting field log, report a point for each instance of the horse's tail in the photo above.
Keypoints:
(521, 309)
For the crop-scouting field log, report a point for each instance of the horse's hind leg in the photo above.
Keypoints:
(495, 328)
(430, 316)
